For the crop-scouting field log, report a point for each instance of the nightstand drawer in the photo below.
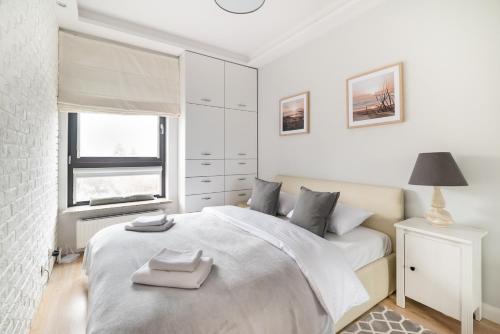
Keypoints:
(432, 273)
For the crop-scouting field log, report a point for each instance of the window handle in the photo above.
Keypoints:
(206, 181)
(206, 198)
(205, 163)
(205, 99)
(242, 163)
(242, 179)
(206, 153)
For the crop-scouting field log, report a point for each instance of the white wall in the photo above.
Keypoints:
(28, 155)
(451, 55)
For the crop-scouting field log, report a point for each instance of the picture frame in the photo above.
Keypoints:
(294, 114)
(375, 97)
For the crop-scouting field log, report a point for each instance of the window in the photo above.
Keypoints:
(115, 155)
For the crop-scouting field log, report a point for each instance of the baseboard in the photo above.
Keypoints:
(491, 313)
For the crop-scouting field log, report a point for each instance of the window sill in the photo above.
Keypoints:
(97, 208)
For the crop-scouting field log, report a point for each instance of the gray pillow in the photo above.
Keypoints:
(265, 196)
(312, 210)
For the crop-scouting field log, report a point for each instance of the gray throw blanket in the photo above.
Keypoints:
(253, 287)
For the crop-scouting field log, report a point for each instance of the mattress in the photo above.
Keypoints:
(362, 245)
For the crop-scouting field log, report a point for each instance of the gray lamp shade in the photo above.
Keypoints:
(437, 169)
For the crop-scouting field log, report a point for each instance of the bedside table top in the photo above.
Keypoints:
(454, 232)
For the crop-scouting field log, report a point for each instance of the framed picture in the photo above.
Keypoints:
(375, 97)
(294, 114)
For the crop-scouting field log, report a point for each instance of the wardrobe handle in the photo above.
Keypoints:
(206, 181)
(412, 268)
(205, 163)
(204, 99)
(206, 198)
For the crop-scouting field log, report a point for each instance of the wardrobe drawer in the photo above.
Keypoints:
(204, 167)
(425, 281)
(205, 184)
(196, 203)
(237, 197)
(239, 182)
(235, 167)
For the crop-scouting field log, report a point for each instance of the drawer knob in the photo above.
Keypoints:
(412, 268)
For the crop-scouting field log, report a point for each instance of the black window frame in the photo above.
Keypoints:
(105, 162)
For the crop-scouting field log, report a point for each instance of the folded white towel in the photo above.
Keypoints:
(149, 220)
(154, 228)
(176, 260)
(173, 279)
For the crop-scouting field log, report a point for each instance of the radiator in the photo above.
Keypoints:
(86, 228)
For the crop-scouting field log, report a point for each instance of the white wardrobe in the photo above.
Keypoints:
(218, 132)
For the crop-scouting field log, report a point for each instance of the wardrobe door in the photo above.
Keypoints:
(241, 134)
(204, 80)
(204, 132)
(241, 87)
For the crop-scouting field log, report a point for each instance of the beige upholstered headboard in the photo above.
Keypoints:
(387, 203)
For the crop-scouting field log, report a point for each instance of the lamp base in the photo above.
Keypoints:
(438, 215)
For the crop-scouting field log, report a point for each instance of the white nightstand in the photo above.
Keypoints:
(440, 267)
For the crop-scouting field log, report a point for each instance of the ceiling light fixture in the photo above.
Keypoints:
(240, 6)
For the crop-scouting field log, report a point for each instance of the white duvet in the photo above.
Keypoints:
(269, 276)
(333, 281)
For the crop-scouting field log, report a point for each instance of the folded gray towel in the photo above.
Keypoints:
(149, 221)
(156, 228)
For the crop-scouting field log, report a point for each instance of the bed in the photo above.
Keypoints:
(378, 277)
(268, 277)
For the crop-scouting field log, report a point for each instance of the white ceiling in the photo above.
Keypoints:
(200, 25)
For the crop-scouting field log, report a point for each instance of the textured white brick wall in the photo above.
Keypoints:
(28, 155)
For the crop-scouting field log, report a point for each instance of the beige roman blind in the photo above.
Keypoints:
(101, 76)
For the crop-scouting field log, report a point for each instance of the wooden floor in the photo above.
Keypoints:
(63, 308)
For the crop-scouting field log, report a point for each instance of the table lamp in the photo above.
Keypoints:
(437, 169)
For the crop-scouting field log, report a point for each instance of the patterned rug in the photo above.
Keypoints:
(383, 320)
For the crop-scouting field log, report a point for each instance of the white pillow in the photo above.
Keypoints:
(286, 203)
(345, 218)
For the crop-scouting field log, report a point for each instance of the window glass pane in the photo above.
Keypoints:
(110, 182)
(108, 135)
